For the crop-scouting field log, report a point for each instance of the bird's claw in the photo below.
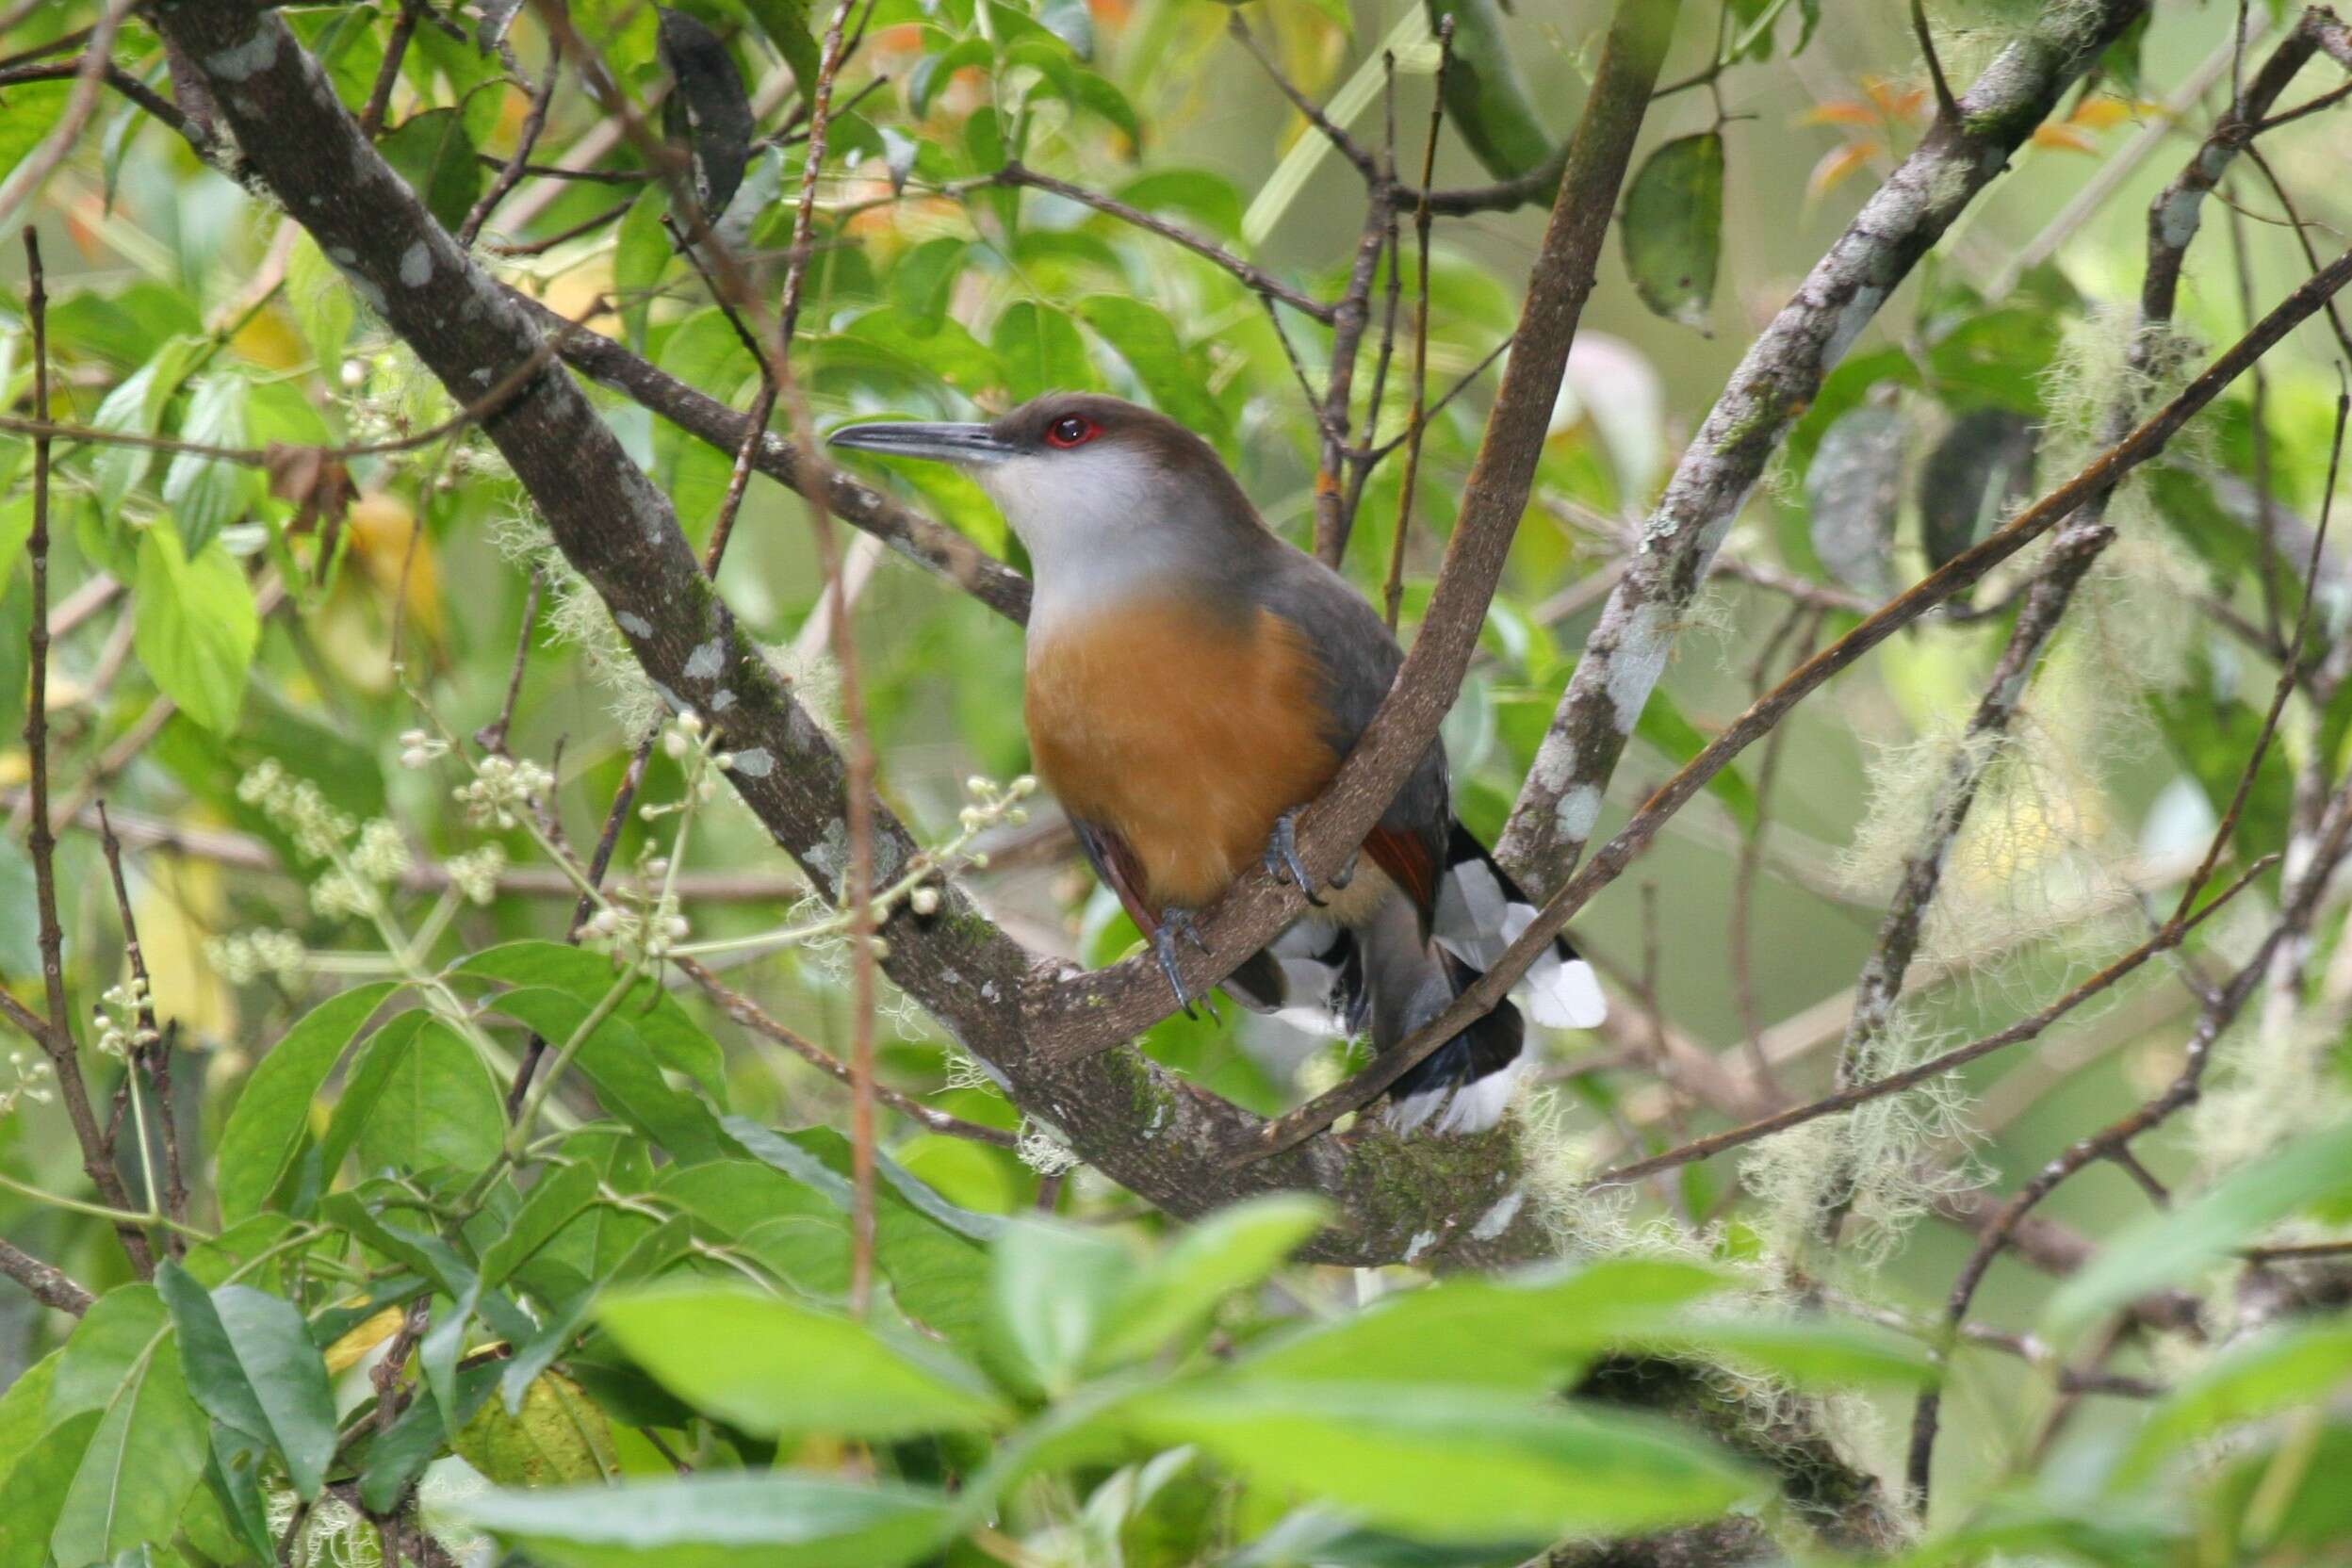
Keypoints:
(1175, 924)
(1284, 865)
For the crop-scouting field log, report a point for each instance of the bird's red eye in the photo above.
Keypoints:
(1072, 432)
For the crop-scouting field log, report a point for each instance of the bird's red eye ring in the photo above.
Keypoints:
(1071, 430)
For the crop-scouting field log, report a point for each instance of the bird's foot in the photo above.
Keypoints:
(1284, 865)
(1175, 924)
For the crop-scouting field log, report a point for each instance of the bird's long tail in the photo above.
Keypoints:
(1480, 911)
(1390, 975)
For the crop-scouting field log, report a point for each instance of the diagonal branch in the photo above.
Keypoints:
(1961, 572)
(1140, 1125)
(1085, 1014)
(1783, 370)
(2173, 220)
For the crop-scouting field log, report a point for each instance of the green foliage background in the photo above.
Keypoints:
(656, 1279)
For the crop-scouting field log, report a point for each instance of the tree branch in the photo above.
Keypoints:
(1956, 574)
(1141, 1125)
(1627, 650)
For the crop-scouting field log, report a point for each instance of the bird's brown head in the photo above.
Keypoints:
(1098, 488)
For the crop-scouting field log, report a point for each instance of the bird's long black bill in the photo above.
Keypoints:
(939, 443)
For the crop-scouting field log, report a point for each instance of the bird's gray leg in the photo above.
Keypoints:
(1177, 923)
(1284, 865)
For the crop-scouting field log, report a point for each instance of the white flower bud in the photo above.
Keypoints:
(924, 901)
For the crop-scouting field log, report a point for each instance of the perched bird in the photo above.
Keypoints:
(1193, 681)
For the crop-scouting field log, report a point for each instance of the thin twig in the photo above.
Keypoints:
(1393, 595)
(151, 1047)
(55, 1034)
(46, 155)
(857, 891)
(49, 1285)
(1962, 571)
(749, 1014)
(492, 736)
(388, 75)
(1935, 1067)
(1018, 175)
(1349, 148)
(535, 124)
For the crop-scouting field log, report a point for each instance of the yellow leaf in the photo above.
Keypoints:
(178, 904)
(1834, 169)
(382, 526)
(2064, 138)
(1895, 103)
(345, 1353)
(269, 341)
(2100, 114)
(559, 1436)
(1839, 112)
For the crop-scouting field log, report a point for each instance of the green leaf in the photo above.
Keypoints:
(145, 1455)
(321, 302)
(1208, 198)
(2175, 1243)
(233, 1475)
(2212, 733)
(418, 1434)
(1853, 492)
(1232, 1250)
(1663, 724)
(707, 111)
(1052, 1288)
(924, 280)
(1809, 1353)
(1148, 344)
(934, 71)
(557, 1437)
(16, 525)
(136, 407)
(364, 1085)
(774, 1367)
(781, 1519)
(436, 1106)
(1450, 1463)
(926, 1246)
(627, 1075)
(251, 1364)
(24, 1413)
(1486, 98)
(786, 23)
(267, 1126)
(109, 1340)
(1526, 1334)
(433, 153)
(33, 1492)
(1042, 352)
(196, 627)
(204, 494)
(560, 1194)
(664, 1026)
(2298, 1365)
(1980, 472)
(641, 254)
(1674, 228)
(34, 110)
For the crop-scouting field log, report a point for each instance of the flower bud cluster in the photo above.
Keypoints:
(121, 1017)
(476, 875)
(295, 806)
(243, 958)
(501, 790)
(421, 748)
(31, 1081)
